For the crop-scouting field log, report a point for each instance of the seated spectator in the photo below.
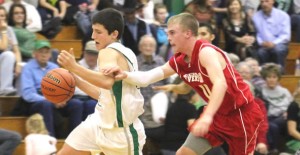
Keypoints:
(160, 29)
(293, 124)
(180, 116)
(33, 18)
(83, 18)
(239, 31)
(17, 19)
(10, 57)
(74, 6)
(273, 29)
(31, 77)
(9, 140)
(257, 81)
(277, 99)
(52, 13)
(134, 28)
(38, 141)
(89, 60)
(295, 19)
(148, 60)
(26, 38)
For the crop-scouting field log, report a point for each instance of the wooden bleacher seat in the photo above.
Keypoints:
(290, 82)
(67, 44)
(69, 37)
(14, 123)
(7, 103)
(67, 33)
(290, 62)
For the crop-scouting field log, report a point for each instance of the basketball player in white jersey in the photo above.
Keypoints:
(114, 128)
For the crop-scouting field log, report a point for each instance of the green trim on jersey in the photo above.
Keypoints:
(135, 138)
(117, 90)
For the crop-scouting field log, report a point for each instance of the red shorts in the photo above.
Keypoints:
(239, 129)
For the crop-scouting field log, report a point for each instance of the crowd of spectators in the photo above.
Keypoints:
(256, 32)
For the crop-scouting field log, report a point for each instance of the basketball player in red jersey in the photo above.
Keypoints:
(231, 114)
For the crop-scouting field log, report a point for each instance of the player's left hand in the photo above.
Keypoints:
(201, 126)
(67, 59)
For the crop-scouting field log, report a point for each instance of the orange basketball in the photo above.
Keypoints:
(58, 85)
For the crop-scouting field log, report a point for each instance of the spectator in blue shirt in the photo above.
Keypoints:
(31, 77)
(273, 29)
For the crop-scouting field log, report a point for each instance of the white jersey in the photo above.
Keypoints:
(122, 105)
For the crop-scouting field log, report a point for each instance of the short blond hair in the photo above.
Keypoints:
(187, 21)
(35, 124)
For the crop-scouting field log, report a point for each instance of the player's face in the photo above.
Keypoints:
(101, 36)
(176, 37)
(204, 34)
(272, 80)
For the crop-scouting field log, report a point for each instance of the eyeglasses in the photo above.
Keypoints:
(17, 13)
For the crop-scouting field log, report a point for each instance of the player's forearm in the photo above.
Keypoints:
(216, 98)
(182, 88)
(143, 79)
(88, 88)
(95, 78)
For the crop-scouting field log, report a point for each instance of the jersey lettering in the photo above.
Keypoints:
(193, 77)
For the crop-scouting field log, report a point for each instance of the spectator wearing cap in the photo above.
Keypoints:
(89, 61)
(134, 28)
(31, 77)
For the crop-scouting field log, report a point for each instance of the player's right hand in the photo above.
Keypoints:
(116, 71)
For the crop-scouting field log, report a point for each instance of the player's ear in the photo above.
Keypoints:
(188, 33)
(115, 34)
(212, 37)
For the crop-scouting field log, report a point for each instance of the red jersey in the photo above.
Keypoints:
(194, 74)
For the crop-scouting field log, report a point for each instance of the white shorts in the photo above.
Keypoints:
(88, 136)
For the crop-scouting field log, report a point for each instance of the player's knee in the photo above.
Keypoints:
(180, 151)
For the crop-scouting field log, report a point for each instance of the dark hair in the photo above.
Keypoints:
(3, 8)
(208, 26)
(111, 19)
(11, 21)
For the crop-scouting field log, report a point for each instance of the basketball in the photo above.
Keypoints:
(58, 85)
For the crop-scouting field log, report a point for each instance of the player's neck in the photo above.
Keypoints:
(190, 47)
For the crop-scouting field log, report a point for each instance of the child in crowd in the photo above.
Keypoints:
(38, 142)
(277, 99)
